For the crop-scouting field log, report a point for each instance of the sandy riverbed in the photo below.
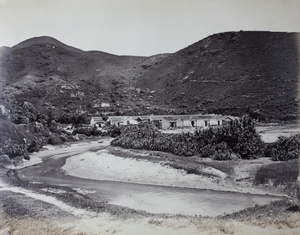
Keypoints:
(107, 224)
(102, 165)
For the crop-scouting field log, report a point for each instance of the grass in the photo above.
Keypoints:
(196, 167)
(275, 211)
(281, 173)
(224, 166)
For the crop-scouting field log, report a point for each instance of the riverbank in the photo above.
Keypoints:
(271, 220)
(276, 218)
(97, 160)
(154, 181)
(164, 169)
(40, 215)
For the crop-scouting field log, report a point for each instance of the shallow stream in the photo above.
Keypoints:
(150, 198)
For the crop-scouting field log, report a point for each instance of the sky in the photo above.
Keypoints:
(140, 27)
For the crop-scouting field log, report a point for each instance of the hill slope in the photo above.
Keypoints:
(232, 73)
(49, 73)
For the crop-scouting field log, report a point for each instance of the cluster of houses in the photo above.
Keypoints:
(165, 122)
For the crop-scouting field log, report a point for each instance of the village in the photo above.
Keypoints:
(167, 122)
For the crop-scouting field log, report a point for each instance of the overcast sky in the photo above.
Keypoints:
(140, 27)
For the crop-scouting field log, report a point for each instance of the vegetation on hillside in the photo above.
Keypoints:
(236, 73)
(26, 128)
(231, 73)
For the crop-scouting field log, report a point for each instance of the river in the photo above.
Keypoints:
(142, 196)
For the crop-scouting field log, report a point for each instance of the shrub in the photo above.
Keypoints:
(13, 150)
(222, 153)
(35, 145)
(114, 131)
(282, 173)
(285, 148)
(207, 151)
(238, 140)
(55, 140)
(88, 131)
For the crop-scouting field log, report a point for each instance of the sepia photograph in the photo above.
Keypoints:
(149, 117)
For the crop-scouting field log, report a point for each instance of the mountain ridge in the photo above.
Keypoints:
(231, 58)
(227, 73)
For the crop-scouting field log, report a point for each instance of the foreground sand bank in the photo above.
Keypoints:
(107, 224)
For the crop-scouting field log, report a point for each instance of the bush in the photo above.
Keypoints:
(238, 140)
(282, 173)
(222, 153)
(285, 148)
(114, 131)
(88, 131)
(35, 145)
(55, 140)
(14, 150)
(207, 151)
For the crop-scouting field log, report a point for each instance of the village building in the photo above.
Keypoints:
(228, 120)
(130, 121)
(215, 120)
(157, 121)
(144, 119)
(171, 123)
(97, 121)
(186, 122)
(165, 122)
(200, 121)
(115, 120)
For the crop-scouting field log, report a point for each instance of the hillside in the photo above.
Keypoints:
(232, 73)
(52, 75)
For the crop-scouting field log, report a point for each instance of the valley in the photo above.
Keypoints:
(221, 180)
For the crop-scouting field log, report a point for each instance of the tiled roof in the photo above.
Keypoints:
(169, 117)
(98, 119)
(116, 119)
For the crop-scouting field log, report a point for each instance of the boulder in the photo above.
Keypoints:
(5, 161)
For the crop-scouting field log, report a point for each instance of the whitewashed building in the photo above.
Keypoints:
(168, 121)
(97, 121)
